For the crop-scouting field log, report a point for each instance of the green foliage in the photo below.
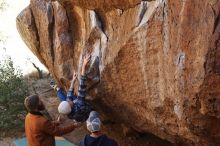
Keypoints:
(13, 89)
(3, 5)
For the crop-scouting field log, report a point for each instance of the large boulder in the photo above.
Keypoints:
(155, 64)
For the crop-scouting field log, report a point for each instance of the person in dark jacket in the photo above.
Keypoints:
(96, 138)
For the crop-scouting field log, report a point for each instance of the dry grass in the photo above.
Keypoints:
(35, 75)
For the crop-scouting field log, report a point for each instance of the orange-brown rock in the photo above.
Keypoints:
(155, 64)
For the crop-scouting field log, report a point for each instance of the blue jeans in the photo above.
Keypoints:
(69, 96)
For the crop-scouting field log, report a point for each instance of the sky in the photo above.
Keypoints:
(14, 45)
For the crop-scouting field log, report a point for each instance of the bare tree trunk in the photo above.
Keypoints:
(40, 73)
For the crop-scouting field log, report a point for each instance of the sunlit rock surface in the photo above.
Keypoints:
(155, 64)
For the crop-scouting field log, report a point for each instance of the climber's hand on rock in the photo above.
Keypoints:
(74, 77)
(86, 60)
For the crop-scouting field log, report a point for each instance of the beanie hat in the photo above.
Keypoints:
(31, 102)
(93, 122)
(64, 108)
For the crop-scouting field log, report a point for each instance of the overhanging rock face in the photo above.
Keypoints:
(155, 64)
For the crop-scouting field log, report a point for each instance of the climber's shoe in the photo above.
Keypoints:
(53, 84)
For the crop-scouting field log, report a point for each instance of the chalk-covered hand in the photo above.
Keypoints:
(86, 60)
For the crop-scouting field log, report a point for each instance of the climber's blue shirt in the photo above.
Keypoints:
(81, 108)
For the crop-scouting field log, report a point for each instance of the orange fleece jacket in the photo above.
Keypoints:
(41, 132)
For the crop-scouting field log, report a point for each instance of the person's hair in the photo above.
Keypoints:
(31, 102)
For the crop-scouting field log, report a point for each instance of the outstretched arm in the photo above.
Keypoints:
(53, 128)
(70, 93)
(73, 81)
(82, 83)
(86, 60)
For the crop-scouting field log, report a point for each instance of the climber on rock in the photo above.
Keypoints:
(75, 107)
